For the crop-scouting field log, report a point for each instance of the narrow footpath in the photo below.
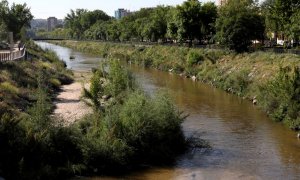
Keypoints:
(69, 106)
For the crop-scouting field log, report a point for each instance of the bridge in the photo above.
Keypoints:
(11, 55)
(46, 39)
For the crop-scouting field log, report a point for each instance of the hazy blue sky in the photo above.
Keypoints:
(59, 8)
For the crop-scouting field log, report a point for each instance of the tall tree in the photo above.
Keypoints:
(189, 20)
(279, 14)
(4, 9)
(15, 18)
(238, 24)
(192, 20)
(293, 28)
(73, 22)
(209, 15)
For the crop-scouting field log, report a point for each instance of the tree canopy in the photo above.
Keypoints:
(238, 24)
(81, 20)
(15, 18)
(280, 16)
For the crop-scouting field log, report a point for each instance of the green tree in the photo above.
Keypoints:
(158, 23)
(192, 20)
(279, 15)
(89, 18)
(15, 18)
(113, 30)
(189, 21)
(209, 15)
(294, 26)
(82, 20)
(4, 9)
(238, 24)
(127, 27)
(72, 21)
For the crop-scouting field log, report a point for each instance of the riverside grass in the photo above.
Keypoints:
(248, 75)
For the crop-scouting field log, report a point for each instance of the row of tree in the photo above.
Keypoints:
(235, 25)
(15, 18)
(192, 20)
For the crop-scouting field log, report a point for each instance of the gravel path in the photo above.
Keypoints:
(69, 107)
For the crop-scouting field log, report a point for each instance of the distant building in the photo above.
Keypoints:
(51, 23)
(222, 2)
(120, 13)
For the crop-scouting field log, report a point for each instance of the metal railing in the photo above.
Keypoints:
(13, 55)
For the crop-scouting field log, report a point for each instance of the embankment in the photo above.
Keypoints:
(270, 80)
(30, 140)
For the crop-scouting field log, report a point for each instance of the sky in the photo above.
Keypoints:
(42, 9)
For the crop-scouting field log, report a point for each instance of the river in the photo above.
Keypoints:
(246, 144)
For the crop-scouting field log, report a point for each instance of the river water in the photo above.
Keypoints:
(246, 144)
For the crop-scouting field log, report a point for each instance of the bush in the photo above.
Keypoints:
(194, 58)
(120, 79)
(143, 130)
(135, 129)
(281, 97)
(7, 87)
(55, 83)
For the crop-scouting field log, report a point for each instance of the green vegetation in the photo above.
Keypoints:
(258, 75)
(129, 128)
(236, 24)
(283, 94)
(14, 19)
(27, 134)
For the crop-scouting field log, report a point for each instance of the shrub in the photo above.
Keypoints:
(281, 97)
(55, 83)
(136, 129)
(96, 90)
(143, 130)
(237, 82)
(194, 58)
(7, 87)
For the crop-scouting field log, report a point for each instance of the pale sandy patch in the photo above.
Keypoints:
(69, 106)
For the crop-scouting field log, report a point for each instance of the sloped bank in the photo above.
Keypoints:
(271, 81)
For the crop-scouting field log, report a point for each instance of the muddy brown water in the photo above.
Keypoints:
(246, 144)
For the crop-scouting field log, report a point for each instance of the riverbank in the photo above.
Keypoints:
(269, 80)
(29, 137)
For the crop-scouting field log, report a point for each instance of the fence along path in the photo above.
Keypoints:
(12, 55)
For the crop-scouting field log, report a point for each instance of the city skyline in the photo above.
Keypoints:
(42, 10)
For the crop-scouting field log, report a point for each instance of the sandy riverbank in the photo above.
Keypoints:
(69, 106)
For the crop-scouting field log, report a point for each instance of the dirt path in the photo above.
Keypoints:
(69, 107)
